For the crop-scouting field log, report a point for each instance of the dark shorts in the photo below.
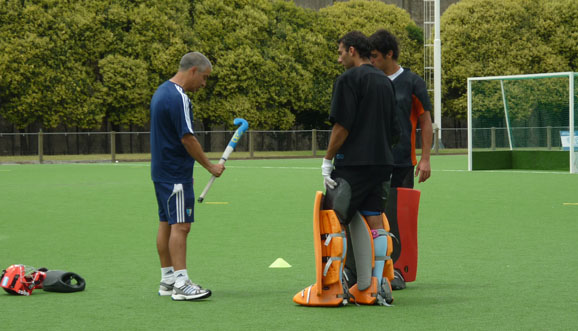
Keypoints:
(369, 187)
(176, 202)
(402, 177)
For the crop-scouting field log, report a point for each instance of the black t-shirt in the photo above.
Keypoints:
(407, 86)
(364, 103)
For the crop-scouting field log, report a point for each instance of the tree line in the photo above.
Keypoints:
(509, 37)
(87, 63)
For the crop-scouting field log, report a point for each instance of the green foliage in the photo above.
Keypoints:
(526, 99)
(40, 78)
(268, 62)
(559, 26)
(275, 63)
(82, 62)
(370, 16)
(124, 92)
(489, 38)
(85, 63)
(149, 38)
(298, 35)
(415, 33)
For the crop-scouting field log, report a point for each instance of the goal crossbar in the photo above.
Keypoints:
(571, 76)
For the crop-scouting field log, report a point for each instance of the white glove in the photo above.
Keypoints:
(326, 169)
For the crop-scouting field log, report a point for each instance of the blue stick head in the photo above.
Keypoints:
(243, 125)
(242, 128)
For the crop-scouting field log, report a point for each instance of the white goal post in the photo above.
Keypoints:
(522, 122)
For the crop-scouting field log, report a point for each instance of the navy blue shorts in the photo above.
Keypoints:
(176, 202)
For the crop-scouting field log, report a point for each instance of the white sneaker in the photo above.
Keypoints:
(190, 291)
(166, 289)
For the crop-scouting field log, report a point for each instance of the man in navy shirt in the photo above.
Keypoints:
(174, 150)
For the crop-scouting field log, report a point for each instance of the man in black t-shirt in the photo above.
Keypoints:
(364, 130)
(364, 124)
(414, 107)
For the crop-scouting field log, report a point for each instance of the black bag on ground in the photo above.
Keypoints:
(63, 281)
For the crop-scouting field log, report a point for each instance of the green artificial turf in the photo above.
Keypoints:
(498, 250)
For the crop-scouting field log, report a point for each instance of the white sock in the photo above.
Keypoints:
(168, 275)
(181, 276)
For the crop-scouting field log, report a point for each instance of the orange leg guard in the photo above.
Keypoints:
(329, 241)
(369, 295)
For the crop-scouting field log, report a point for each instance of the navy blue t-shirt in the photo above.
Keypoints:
(171, 119)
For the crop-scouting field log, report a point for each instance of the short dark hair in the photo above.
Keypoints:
(357, 40)
(383, 41)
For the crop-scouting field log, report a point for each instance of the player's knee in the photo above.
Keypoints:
(373, 219)
(181, 228)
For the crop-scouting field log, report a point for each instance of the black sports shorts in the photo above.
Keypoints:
(369, 187)
(402, 177)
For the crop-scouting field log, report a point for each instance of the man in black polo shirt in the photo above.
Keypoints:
(414, 107)
(364, 129)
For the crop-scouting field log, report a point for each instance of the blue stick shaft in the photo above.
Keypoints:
(230, 147)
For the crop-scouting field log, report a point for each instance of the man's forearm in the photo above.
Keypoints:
(338, 136)
(195, 150)
(426, 134)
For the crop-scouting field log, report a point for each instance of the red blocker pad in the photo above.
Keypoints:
(402, 210)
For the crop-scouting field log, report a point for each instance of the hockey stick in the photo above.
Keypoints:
(232, 144)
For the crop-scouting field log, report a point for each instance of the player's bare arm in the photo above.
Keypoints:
(423, 169)
(194, 149)
(338, 136)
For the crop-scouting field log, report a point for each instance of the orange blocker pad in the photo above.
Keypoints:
(402, 211)
(329, 241)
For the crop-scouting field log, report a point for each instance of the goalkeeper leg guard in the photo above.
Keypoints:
(330, 249)
(373, 285)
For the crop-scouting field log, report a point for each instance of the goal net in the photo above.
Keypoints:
(523, 122)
